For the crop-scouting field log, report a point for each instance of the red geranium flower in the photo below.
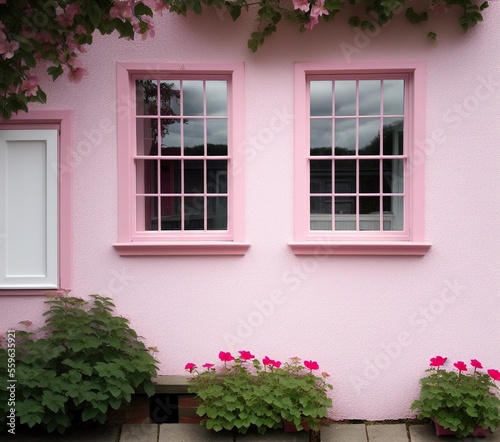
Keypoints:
(226, 356)
(190, 366)
(246, 355)
(460, 365)
(438, 361)
(208, 366)
(475, 363)
(311, 365)
(495, 374)
(277, 364)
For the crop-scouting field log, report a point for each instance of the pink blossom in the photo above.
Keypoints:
(245, 355)
(72, 9)
(460, 366)
(64, 20)
(8, 49)
(121, 9)
(268, 361)
(476, 364)
(190, 366)
(319, 9)
(277, 364)
(225, 356)
(30, 87)
(81, 30)
(150, 30)
(208, 366)
(495, 374)
(438, 361)
(156, 5)
(302, 5)
(313, 21)
(311, 365)
(76, 74)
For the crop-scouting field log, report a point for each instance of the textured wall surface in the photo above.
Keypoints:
(371, 322)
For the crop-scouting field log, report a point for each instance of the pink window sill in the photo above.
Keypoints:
(181, 248)
(395, 248)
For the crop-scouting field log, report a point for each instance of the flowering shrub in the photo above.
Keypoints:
(56, 32)
(459, 400)
(247, 392)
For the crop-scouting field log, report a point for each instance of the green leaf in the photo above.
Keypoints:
(55, 72)
(94, 11)
(432, 36)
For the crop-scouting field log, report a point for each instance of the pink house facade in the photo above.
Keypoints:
(333, 196)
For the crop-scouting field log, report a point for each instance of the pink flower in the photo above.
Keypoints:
(121, 9)
(268, 361)
(156, 5)
(495, 374)
(76, 73)
(438, 361)
(277, 364)
(226, 356)
(302, 5)
(313, 21)
(151, 27)
(208, 366)
(81, 30)
(460, 366)
(319, 9)
(311, 365)
(30, 87)
(246, 355)
(475, 363)
(190, 367)
(64, 20)
(72, 9)
(8, 48)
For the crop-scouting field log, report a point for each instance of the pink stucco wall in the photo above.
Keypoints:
(371, 322)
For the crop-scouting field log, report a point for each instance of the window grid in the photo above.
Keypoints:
(358, 156)
(184, 159)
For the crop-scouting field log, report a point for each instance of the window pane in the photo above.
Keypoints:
(394, 97)
(345, 98)
(217, 176)
(147, 213)
(170, 94)
(171, 213)
(193, 137)
(369, 206)
(216, 97)
(321, 213)
(192, 99)
(393, 176)
(217, 213)
(171, 137)
(345, 213)
(345, 136)
(393, 136)
(147, 176)
(369, 97)
(321, 137)
(321, 176)
(170, 181)
(345, 176)
(321, 97)
(194, 213)
(217, 137)
(147, 136)
(369, 136)
(193, 176)
(369, 176)
(393, 213)
(146, 94)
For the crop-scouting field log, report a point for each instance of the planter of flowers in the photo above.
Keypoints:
(460, 402)
(246, 392)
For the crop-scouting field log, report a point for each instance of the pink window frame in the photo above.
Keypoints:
(133, 242)
(62, 121)
(410, 242)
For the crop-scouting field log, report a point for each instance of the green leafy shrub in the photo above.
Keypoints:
(247, 393)
(457, 400)
(83, 362)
